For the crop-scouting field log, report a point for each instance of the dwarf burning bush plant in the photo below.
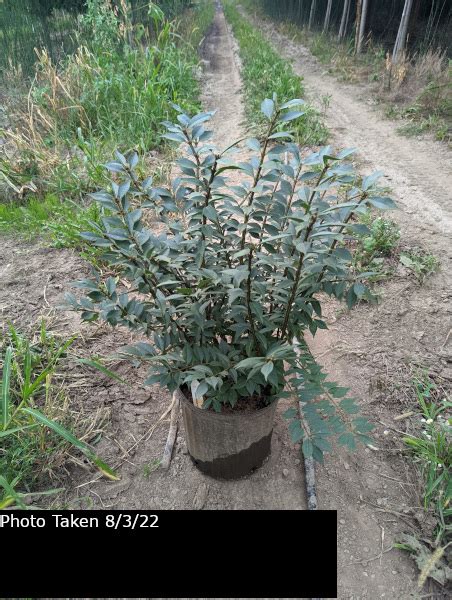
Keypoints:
(227, 288)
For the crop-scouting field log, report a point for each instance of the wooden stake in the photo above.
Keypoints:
(172, 433)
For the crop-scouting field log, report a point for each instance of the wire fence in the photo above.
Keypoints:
(26, 25)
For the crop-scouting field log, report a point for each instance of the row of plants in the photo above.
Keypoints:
(264, 72)
(417, 89)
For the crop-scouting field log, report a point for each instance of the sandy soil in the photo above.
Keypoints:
(368, 349)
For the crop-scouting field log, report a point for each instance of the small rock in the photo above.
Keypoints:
(200, 496)
(297, 461)
(346, 466)
(382, 501)
(446, 373)
(285, 472)
(366, 549)
(365, 574)
(342, 521)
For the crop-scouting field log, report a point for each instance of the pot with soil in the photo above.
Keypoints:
(225, 286)
(232, 443)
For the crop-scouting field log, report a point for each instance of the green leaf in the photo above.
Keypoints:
(347, 439)
(406, 261)
(307, 448)
(292, 103)
(290, 116)
(296, 431)
(267, 369)
(383, 203)
(371, 179)
(249, 363)
(174, 137)
(4, 398)
(7, 432)
(12, 495)
(253, 144)
(69, 437)
(99, 367)
(280, 134)
(268, 108)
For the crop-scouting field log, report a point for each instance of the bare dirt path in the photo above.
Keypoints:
(419, 171)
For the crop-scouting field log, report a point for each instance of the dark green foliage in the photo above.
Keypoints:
(235, 279)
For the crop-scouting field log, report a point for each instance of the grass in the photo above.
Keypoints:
(35, 423)
(57, 223)
(375, 246)
(430, 447)
(264, 72)
(78, 111)
(100, 98)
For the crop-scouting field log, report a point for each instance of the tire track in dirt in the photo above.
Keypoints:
(222, 82)
(419, 171)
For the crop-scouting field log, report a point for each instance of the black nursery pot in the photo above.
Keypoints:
(228, 446)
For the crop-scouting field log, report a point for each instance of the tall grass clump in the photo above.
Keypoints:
(115, 89)
(430, 445)
(265, 72)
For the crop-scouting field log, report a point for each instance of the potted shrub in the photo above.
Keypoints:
(225, 288)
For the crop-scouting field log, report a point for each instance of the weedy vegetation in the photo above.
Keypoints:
(430, 446)
(35, 431)
(421, 263)
(118, 85)
(375, 244)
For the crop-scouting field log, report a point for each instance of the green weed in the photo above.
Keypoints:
(34, 426)
(375, 245)
(431, 449)
(421, 263)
